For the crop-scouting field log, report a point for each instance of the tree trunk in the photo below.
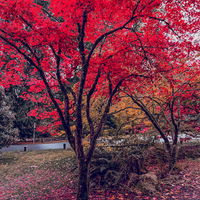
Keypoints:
(83, 180)
(173, 155)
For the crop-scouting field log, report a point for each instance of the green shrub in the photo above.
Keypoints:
(109, 168)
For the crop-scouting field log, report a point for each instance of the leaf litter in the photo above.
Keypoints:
(46, 175)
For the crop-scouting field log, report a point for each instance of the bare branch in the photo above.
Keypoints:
(167, 23)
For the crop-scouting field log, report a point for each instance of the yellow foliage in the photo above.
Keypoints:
(129, 116)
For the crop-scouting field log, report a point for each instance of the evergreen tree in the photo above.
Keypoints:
(8, 134)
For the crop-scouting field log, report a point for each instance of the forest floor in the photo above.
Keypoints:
(183, 184)
(46, 174)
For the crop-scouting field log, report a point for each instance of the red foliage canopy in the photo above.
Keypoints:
(119, 40)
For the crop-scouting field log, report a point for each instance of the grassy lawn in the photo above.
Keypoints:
(34, 174)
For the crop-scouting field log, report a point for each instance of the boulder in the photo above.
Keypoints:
(151, 176)
(146, 188)
(177, 168)
(133, 179)
(148, 183)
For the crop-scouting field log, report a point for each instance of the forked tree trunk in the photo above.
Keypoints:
(83, 180)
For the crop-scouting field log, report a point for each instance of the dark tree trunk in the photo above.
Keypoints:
(173, 155)
(172, 160)
(83, 180)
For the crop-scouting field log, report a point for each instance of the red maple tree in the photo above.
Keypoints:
(106, 44)
(172, 105)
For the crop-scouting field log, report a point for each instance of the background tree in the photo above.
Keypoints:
(169, 106)
(21, 107)
(8, 134)
(17, 90)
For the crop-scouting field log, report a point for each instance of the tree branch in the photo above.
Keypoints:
(106, 111)
(152, 119)
(64, 91)
(90, 122)
(162, 20)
